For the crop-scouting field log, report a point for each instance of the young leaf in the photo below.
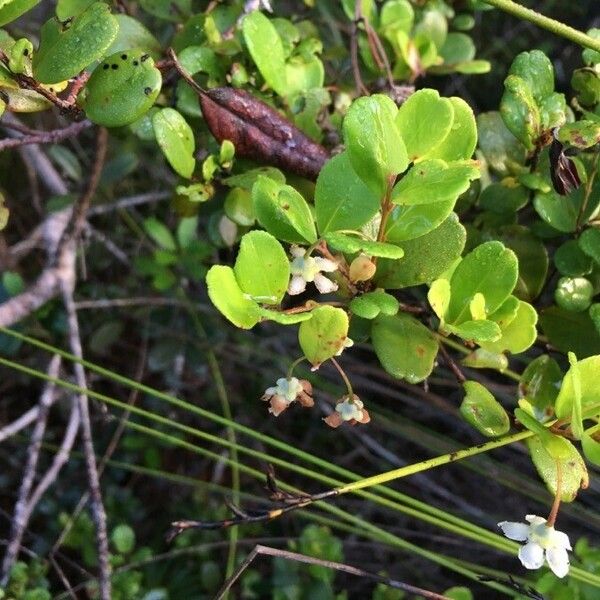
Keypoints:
(540, 382)
(439, 297)
(491, 269)
(122, 89)
(262, 268)
(405, 348)
(225, 293)
(373, 142)
(160, 234)
(266, 49)
(371, 304)
(431, 181)
(520, 112)
(414, 221)
(482, 359)
(350, 245)
(342, 200)
(536, 70)
(324, 335)
(65, 50)
(591, 448)
(282, 211)
(425, 258)
(424, 121)
(519, 334)
(587, 374)
(475, 331)
(483, 411)
(176, 140)
(284, 318)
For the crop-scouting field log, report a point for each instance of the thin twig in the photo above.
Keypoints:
(17, 425)
(328, 564)
(22, 514)
(460, 376)
(46, 137)
(358, 82)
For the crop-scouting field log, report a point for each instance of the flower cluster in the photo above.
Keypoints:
(307, 269)
(349, 410)
(286, 391)
(543, 542)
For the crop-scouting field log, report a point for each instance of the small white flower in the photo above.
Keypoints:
(308, 269)
(350, 409)
(542, 542)
(348, 343)
(287, 390)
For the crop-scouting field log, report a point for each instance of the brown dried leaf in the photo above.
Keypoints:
(259, 132)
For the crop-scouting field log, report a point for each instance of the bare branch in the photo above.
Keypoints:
(45, 137)
(17, 425)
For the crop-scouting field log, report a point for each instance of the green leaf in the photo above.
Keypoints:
(283, 318)
(160, 234)
(433, 181)
(506, 312)
(490, 269)
(247, 179)
(350, 245)
(169, 10)
(425, 258)
(540, 382)
(324, 335)
(373, 142)
(591, 449)
(65, 9)
(570, 331)
(342, 200)
(282, 211)
(200, 59)
(371, 304)
(586, 83)
(424, 122)
(239, 207)
(480, 332)
(439, 297)
(573, 471)
(589, 242)
(132, 34)
(507, 196)
(122, 89)
(411, 222)
(594, 311)
(226, 295)
(519, 334)
(570, 259)
(13, 9)
(536, 70)
(482, 359)
(586, 372)
(581, 134)
(480, 409)
(65, 50)
(176, 140)
(405, 348)
(262, 268)
(574, 293)
(3, 213)
(461, 140)
(266, 49)
(123, 538)
(520, 112)
(501, 149)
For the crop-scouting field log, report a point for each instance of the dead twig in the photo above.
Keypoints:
(45, 137)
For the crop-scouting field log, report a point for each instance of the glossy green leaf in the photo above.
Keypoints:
(266, 49)
(520, 112)
(536, 70)
(573, 471)
(439, 297)
(424, 122)
(239, 207)
(283, 318)
(507, 196)
(324, 335)
(373, 143)
(586, 83)
(540, 382)
(66, 49)
(475, 331)
(247, 179)
(490, 269)
(594, 313)
(176, 140)
(502, 151)
(133, 34)
(342, 200)
(482, 359)
(371, 304)
(282, 211)
(433, 181)
(122, 88)
(505, 314)
(570, 331)
(591, 449)
(226, 295)
(589, 242)
(405, 348)
(66, 9)
(533, 260)
(570, 260)
(262, 268)
(586, 372)
(425, 258)
(13, 9)
(349, 245)
(519, 334)
(461, 140)
(574, 293)
(411, 222)
(168, 10)
(481, 410)
(581, 134)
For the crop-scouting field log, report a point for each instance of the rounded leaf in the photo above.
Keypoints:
(519, 334)
(480, 409)
(570, 331)
(176, 140)
(589, 242)
(68, 48)
(574, 293)
(122, 88)
(540, 382)
(520, 112)
(571, 260)
(536, 70)
(123, 538)
(350, 245)
(586, 371)
(262, 268)
(324, 335)
(369, 305)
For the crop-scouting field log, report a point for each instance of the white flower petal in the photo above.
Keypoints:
(560, 540)
(558, 560)
(531, 555)
(535, 520)
(297, 251)
(324, 264)
(514, 531)
(297, 285)
(324, 285)
(271, 391)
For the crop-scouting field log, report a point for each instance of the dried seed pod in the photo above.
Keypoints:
(563, 171)
(259, 132)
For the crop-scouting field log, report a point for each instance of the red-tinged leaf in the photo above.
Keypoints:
(260, 132)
